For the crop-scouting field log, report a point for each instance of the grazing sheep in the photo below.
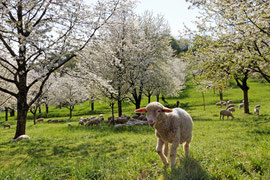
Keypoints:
(81, 122)
(229, 106)
(171, 126)
(256, 110)
(93, 121)
(69, 124)
(258, 106)
(135, 116)
(142, 117)
(121, 120)
(231, 109)
(101, 117)
(224, 112)
(241, 105)
(40, 120)
(21, 137)
(229, 102)
(7, 126)
(219, 104)
(223, 103)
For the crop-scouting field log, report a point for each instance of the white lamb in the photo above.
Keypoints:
(21, 137)
(256, 110)
(171, 126)
(241, 105)
(231, 109)
(230, 106)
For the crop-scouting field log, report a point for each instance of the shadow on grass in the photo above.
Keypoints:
(188, 168)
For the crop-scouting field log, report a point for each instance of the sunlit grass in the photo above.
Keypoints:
(220, 149)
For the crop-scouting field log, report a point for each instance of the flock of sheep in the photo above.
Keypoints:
(230, 107)
(116, 121)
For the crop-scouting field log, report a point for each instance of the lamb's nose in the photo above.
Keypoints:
(151, 122)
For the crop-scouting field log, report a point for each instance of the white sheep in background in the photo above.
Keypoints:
(241, 105)
(69, 124)
(92, 121)
(40, 120)
(231, 109)
(171, 126)
(256, 110)
(230, 106)
(21, 137)
(101, 117)
(224, 112)
(219, 104)
(7, 125)
(258, 106)
(81, 122)
(229, 102)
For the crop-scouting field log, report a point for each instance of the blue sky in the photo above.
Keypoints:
(176, 12)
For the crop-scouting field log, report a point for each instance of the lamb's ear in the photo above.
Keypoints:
(142, 110)
(166, 110)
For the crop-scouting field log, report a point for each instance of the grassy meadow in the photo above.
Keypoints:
(220, 149)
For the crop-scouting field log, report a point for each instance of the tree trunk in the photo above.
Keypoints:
(39, 109)
(163, 99)
(138, 103)
(70, 111)
(149, 99)
(112, 106)
(47, 108)
(22, 109)
(34, 114)
(157, 97)
(119, 108)
(246, 104)
(220, 95)
(92, 105)
(12, 112)
(6, 110)
(203, 101)
(177, 104)
(245, 89)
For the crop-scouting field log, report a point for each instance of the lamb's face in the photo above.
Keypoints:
(153, 114)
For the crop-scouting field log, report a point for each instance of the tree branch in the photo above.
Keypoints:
(261, 29)
(42, 15)
(8, 92)
(7, 46)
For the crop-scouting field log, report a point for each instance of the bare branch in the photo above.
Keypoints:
(42, 15)
(7, 46)
(8, 92)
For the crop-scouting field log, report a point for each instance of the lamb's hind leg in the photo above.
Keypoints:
(186, 147)
(160, 144)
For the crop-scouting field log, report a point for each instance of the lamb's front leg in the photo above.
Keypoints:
(166, 149)
(174, 146)
(160, 152)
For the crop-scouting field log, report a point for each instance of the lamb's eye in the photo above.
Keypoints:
(159, 110)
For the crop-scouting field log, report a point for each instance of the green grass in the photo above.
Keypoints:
(220, 149)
